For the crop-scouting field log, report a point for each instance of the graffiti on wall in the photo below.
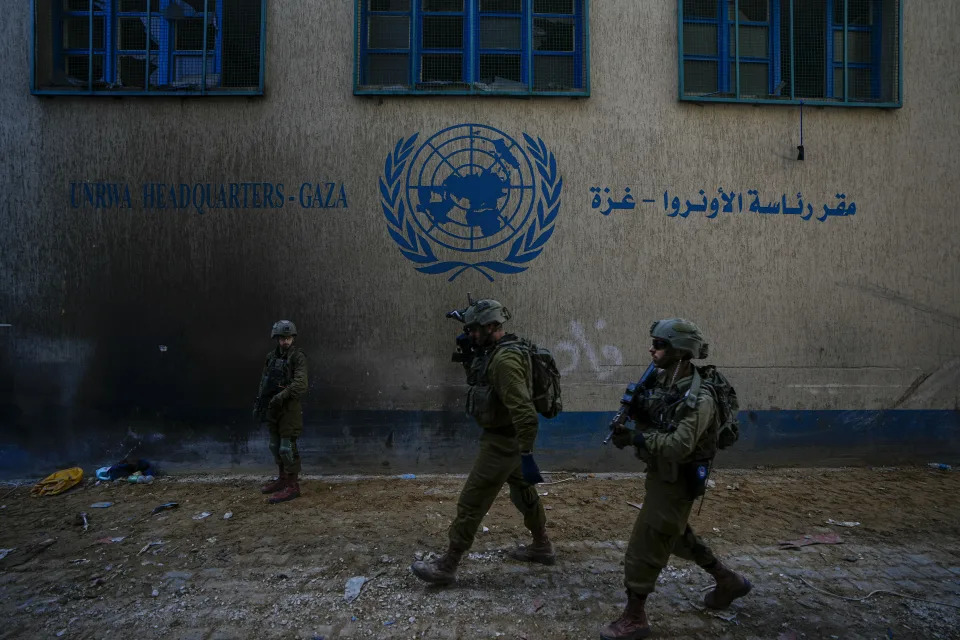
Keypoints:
(726, 202)
(583, 354)
(470, 198)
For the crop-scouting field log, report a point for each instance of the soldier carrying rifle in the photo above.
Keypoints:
(683, 415)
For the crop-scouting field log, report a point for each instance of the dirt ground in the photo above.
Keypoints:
(280, 571)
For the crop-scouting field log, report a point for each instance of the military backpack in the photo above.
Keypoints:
(725, 398)
(544, 376)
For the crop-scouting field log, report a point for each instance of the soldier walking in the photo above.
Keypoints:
(677, 438)
(499, 400)
(282, 384)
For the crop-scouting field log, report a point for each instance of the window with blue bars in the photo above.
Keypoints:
(494, 47)
(148, 47)
(828, 52)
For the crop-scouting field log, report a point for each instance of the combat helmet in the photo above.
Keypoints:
(283, 328)
(483, 312)
(683, 335)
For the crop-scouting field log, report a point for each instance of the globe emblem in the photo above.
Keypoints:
(470, 188)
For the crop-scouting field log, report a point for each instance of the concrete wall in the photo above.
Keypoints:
(841, 336)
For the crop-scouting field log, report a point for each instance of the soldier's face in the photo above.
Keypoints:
(661, 353)
(284, 342)
(481, 335)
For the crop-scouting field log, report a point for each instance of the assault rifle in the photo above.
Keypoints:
(466, 349)
(630, 399)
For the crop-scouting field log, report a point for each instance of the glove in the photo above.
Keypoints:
(286, 449)
(529, 469)
(623, 437)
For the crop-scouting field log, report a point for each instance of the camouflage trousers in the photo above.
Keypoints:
(289, 462)
(497, 463)
(661, 529)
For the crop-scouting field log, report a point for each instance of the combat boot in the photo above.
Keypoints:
(540, 551)
(276, 484)
(632, 623)
(291, 490)
(442, 570)
(730, 586)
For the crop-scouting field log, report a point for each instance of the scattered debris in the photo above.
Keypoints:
(543, 484)
(57, 482)
(486, 529)
(101, 505)
(228, 515)
(165, 506)
(148, 545)
(353, 588)
(409, 476)
(111, 540)
(202, 515)
(5, 552)
(635, 505)
(86, 524)
(939, 465)
(711, 484)
(875, 592)
(805, 541)
(843, 524)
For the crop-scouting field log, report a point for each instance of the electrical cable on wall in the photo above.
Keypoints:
(800, 146)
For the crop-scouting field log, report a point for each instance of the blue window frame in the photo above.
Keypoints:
(826, 52)
(474, 47)
(148, 47)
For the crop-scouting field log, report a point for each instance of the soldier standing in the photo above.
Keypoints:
(677, 438)
(499, 400)
(282, 384)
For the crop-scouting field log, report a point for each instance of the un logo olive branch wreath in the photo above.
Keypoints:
(415, 247)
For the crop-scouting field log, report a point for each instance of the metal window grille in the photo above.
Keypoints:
(845, 52)
(148, 47)
(472, 47)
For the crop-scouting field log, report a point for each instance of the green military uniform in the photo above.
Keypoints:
(499, 399)
(683, 437)
(284, 415)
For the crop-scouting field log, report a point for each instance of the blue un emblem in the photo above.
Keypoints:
(470, 197)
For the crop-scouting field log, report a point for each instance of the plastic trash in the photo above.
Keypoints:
(139, 478)
(842, 524)
(57, 482)
(939, 465)
(352, 590)
(103, 473)
(101, 505)
(228, 515)
(202, 515)
(165, 506)
(408, 476)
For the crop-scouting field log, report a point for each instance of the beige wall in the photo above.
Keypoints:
(842, 314)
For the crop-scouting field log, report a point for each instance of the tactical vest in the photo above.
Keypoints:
(665, 408)
(276, 376)
(482, 399)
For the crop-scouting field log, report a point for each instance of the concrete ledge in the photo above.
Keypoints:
(438, 441)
